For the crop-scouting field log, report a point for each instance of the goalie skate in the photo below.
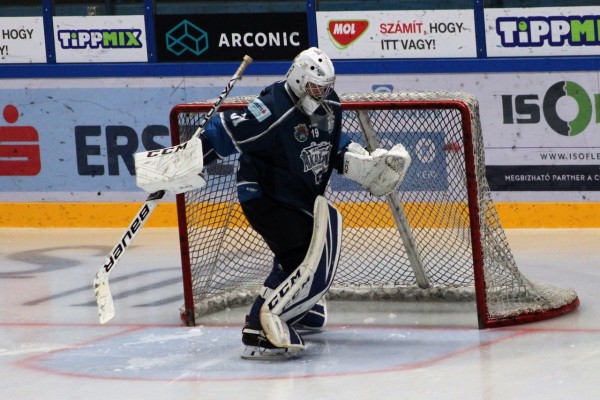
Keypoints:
(258, 347)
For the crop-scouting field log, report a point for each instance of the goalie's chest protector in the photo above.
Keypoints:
(309, 147)
(309, 144)
(293, 160)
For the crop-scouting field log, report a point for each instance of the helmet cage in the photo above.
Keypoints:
(317, 89)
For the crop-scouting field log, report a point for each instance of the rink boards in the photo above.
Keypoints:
(112, 215)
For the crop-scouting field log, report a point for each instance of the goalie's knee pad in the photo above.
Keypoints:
(295, 296)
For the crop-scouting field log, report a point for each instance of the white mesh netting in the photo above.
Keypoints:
(228, 261)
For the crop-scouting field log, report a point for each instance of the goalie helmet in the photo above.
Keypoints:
(311, 77)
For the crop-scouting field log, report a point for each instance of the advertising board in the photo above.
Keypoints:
(228, 37)
(75, 138)
(22, 40)
(97, 39)
(542, 31)
(397, 34)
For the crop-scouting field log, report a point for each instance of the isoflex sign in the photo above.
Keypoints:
(529, 108)
(568, 168)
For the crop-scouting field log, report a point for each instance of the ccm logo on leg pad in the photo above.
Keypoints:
(285, 288)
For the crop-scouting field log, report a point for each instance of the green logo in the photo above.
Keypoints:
(186, 36)
(526, 108)
(584, 115)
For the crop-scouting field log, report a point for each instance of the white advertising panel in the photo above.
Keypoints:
(22, 40)
(93, 39)
(397, 34)
(543, 31)
(76, 137)
(540, 130)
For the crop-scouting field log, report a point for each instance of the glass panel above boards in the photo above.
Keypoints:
(538, 3)
(98, 7)
(228, 7)
(21, 8)
(374, 5)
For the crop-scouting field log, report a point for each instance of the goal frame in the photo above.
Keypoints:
(469, 121)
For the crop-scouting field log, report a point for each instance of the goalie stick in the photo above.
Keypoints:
(104, 299)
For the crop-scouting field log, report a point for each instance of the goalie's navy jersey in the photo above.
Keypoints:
(284, 153)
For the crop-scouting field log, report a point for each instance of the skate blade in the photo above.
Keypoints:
(262, 354)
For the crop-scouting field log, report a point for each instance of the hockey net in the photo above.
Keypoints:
(438, 238)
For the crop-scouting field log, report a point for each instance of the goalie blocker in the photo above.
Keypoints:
(175, 169)
(178, 169)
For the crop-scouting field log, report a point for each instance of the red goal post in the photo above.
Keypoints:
(438, 238)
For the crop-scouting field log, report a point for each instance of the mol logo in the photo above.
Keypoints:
(528, 111)
(553, 31)
(345, 32)
(100, 38)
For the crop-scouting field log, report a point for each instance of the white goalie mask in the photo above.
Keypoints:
(311, 77)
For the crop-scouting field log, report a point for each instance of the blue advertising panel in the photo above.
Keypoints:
(74, 140)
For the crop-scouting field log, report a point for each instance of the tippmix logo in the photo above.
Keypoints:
(100, 38)
(555, 31)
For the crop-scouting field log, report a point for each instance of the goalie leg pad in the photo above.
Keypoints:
(274, 279)
(295, 296)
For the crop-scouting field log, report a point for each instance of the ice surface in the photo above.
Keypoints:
(52, 346)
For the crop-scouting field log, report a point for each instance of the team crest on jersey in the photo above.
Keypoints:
(301, 132)
(316, 159)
